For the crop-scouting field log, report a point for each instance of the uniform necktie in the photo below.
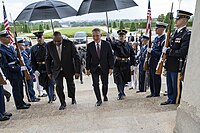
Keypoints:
(98, 50)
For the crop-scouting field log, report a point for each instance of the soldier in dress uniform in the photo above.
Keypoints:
(176, 55)
(141, 58)
(31, 93)
(38, 54)
(156, 51)
(121, 70)
(11, 68)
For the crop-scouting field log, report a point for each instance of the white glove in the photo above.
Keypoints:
(164, 50)
(23, 68)
(149, 50)
(37, 73)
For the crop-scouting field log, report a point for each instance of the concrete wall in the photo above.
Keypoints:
(188, 113)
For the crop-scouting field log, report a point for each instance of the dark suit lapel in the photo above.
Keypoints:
(102, 48)
(54, 49)
(63, 49)
(94, 49)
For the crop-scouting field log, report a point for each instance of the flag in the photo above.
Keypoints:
(7, 26)
(149, 19)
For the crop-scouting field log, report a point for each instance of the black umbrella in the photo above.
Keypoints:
(47, 9)
(94, 6)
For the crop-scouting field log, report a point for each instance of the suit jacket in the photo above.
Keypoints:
(106, 60)
(70, 60)
(179, 44)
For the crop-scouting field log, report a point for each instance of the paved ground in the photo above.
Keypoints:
(135, 114)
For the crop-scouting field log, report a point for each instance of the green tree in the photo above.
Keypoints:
(47, 27)
(114, 25)
(121, 25)
(25, 29)
(161, 18)
(133, 27)
(167, 20)
(2, 27)
(41, 28)
(110, 30)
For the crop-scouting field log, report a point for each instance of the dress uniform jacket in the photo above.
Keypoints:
(156, 52)
(179, 44)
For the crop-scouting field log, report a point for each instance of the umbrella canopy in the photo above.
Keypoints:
(93, 6)
(47, 9)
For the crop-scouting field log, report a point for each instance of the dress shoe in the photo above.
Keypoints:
(35, 100)
(73, 101)
(81, 82)
(23, 107)
(50, 101)
(139, 91)
(105, 99)
(62, 107)
(120, 98)
(4, 118)
(27, 104)
(7, 114)
(54, 97)
(98, 103)
(131, 88)
(149, 96)
(43, 95)
(156, 96)
(165, 103)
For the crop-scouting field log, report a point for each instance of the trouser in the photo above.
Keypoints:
(174, 87)
(38, 86)
(60, 87)
(104, 79)
(50, 91)
(31, 90)
(141, 80)
(155, 83)
(147, 80)
(2, 101)
(17, 90)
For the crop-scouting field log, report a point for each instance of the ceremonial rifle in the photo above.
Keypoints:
(164, 56)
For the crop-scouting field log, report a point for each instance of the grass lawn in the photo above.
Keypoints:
(69, 32)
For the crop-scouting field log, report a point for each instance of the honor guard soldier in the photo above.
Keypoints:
(11, 68)
(176, 55)
(156, 51)
(26, 59)
(38, 54)
(141, 58)
(121, 70)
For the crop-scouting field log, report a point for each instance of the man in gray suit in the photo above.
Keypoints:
(66, 63)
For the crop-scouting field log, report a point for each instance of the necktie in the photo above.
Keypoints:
(98, 50)
(59, 52)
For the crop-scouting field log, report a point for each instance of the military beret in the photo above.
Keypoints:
(161, 25)
(183, 14)
(38, 34)
(4, 33)
(121, 32)
(145, 37)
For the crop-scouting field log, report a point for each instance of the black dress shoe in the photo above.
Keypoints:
(7, 114)
(23, 107)
(35, 100)
(120, 98)
(50, 101)
(62, 107)
(98, 103)
(149, 96)
(8, 98)
(165, 103)
(54, 97)
(138, 91)
(105, 99)
(4, 118)
(27, 104)
(130, 88)
(81, 82)
(73, 101)
(44, 95)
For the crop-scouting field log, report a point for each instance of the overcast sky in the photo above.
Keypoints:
(14, 7)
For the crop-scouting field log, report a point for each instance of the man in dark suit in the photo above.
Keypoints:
(131, 38)
(99, 62)
(66, 63)
(176, 56)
